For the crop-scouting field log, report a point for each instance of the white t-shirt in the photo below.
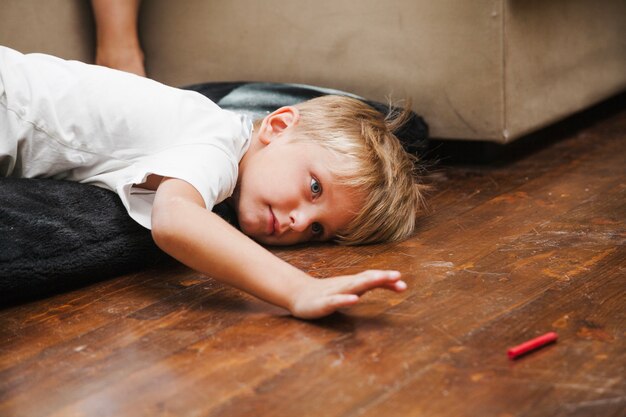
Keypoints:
(70, 120)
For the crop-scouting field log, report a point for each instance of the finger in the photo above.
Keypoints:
(369, 280)
(381, 272)
(341, 300)
(397, 286)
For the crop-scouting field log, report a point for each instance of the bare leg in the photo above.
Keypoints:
(117, 36)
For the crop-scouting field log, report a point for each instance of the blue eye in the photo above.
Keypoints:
(316, 187)
(317, 229)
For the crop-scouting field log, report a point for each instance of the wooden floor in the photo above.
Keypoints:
(510, 251)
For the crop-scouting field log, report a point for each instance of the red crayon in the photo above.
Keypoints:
(532, 344)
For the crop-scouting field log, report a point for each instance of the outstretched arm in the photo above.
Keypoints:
(117, 36)
(200, 239)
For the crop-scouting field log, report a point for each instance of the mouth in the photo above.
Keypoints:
(271, 223)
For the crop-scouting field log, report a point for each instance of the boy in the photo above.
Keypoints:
(329, 168)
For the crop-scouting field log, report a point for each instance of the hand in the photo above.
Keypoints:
(320, 297)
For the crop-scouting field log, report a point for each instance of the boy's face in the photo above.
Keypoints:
(286, 193)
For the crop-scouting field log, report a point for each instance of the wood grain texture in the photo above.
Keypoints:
(507, 252)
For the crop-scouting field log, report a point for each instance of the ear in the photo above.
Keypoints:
(277, 122)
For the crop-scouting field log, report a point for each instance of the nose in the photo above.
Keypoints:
(300, 219)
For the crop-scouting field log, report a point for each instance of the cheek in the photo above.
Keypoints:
(248, 215)
(251, 192)
(246, 212)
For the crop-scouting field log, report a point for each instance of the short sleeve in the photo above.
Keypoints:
(211, 170)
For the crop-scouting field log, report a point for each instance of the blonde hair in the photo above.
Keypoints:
(379, 168)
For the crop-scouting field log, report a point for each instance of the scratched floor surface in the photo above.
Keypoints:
(508, 252)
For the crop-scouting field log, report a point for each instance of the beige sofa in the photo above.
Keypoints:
(482, 69)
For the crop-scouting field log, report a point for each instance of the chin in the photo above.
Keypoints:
(262, 239)
(252, 232)
(268, 241)
(246, 230)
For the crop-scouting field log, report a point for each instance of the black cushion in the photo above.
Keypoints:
(56, 235)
